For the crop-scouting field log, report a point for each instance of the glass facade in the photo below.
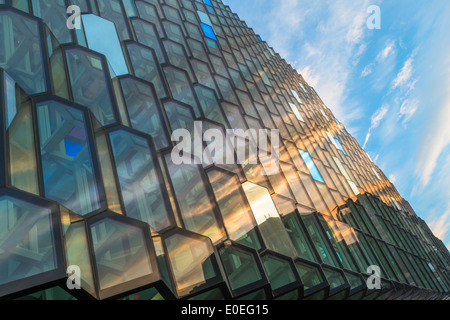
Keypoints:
(88, 181)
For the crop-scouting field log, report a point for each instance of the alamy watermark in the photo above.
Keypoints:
(73, 278)
(374, 21)
(235, 146)
(74, 21)
(374, 280)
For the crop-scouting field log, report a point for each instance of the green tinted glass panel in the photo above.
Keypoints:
(310, 275)
(278, 271)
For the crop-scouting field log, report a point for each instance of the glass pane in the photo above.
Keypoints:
(26, 240)
(240, 266)
(334, 278)
(197, 209)
(181, 89)
(21, 54)
(101, 36)
(320, 241)
(278, 271)
(77, 249)
(144, 110)
(311, 166)
(109, 180)
(113, 11)
(68, 169)
(212, 295)
(272, 229)
(22, 151)
(145, 66)
(90, 83)
(299, 238)
(121, 252)
(238, 218)
(190, 261)
(310, 275)
(141, 186)
(53, 12)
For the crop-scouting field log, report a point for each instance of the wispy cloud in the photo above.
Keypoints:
(407, 110)
(375, 121)
(367, 70)
(385, 53)
(392, 178)
(436, 139)
(441, 224)
(404, 75)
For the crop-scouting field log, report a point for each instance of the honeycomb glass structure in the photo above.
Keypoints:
(92, 196)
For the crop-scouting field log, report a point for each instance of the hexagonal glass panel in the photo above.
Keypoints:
(21, 54)
(113, 11)
(145, 66)
(144, 110)
(90, 84)
(27, 244)
(278, 271)
(77, 251)
(240, 266)
(121, 252)
(190, 261)
(195, 203)
(20, 138)
(268, 219)
(238, 218)
(68, 167)
(101, 36)
(140, 182)
(309, 274)
(53, 12)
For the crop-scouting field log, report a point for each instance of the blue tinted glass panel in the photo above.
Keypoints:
(209, 32)
(208, 2)
(69, 174)
(311, 166)
(340, 147)
(102, 37)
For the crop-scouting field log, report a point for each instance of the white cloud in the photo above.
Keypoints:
(404, 75)
(378, 116)
(408, 109)
(436, 140)
(376, 119)
(392, 178)
(340, 30)
(367, 70)
(441, 225)
(386, 52)
(309, 76)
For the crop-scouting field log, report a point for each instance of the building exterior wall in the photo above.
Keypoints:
(90, 186)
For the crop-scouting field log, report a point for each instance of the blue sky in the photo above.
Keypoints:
(389, 87)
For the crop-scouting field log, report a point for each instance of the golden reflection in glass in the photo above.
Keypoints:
(268, 219)
(237, 217)
(190, 261)
(120, 252)
(112, 195)
(22, 152)
(77, 249)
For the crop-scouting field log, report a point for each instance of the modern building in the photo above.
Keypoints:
(94, 206)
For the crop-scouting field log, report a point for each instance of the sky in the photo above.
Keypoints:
(390, 87)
